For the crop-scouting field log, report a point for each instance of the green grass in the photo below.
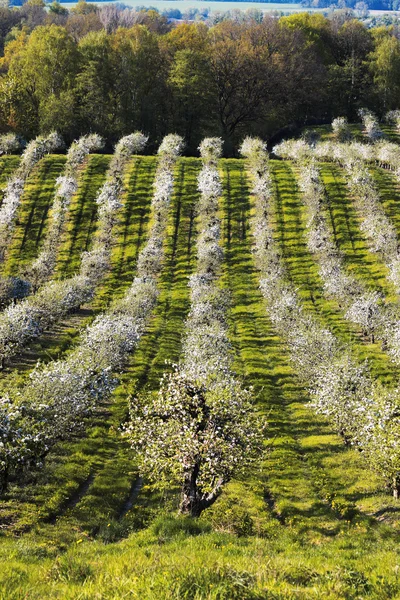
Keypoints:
(81, 223)
(310, 522)
(8, 164)
(303, 269)
(32, 215)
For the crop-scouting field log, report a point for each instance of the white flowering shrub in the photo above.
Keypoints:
(298, 150)
(379, 436)
(13, 287)
(343, 393)
(209, 183)
(366, 312)
(195, 436)
(341, 129)
(310, 347)
(171, 147)
(393, 118)
(10, 144)
(211, 150)
(370, 125)
(20, 436)
(132, 144)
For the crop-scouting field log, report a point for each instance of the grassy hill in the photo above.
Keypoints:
(310, 522)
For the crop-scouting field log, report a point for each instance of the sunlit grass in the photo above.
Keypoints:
(310, 522)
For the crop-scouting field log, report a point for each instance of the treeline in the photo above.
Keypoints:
(92, 71)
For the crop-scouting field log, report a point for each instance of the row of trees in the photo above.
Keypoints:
(232, 78)
(43, 267)
(200, 428)
(364, 413)
(34, 151)
(28, 319)
(362, 307)
(368, 309)
(52, 404)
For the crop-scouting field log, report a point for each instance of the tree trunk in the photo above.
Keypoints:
(3, 480)
(190, 503)
(346, 439)
(396, 487)
(194, 502)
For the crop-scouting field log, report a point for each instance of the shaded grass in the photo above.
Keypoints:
(88, 481)
(8, 164)
(82, 218)
(33, 212)
(290, 230)
(300, 522)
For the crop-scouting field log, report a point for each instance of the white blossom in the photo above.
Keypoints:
(51, 405)
(33, 152)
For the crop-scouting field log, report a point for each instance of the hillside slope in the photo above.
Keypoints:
(310, 522)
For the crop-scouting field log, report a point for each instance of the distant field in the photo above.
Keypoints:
(222, 6)
(184, 5)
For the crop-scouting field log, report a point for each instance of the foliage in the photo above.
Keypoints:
(111, 70)
(341, 390)
(200, 429)
(370, 124)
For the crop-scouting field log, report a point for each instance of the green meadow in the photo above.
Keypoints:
(310, 521)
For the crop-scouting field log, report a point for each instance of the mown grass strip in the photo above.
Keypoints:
(82, 218)
(102, 460)
(33, 212)
(303, 270)
(61, 338)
